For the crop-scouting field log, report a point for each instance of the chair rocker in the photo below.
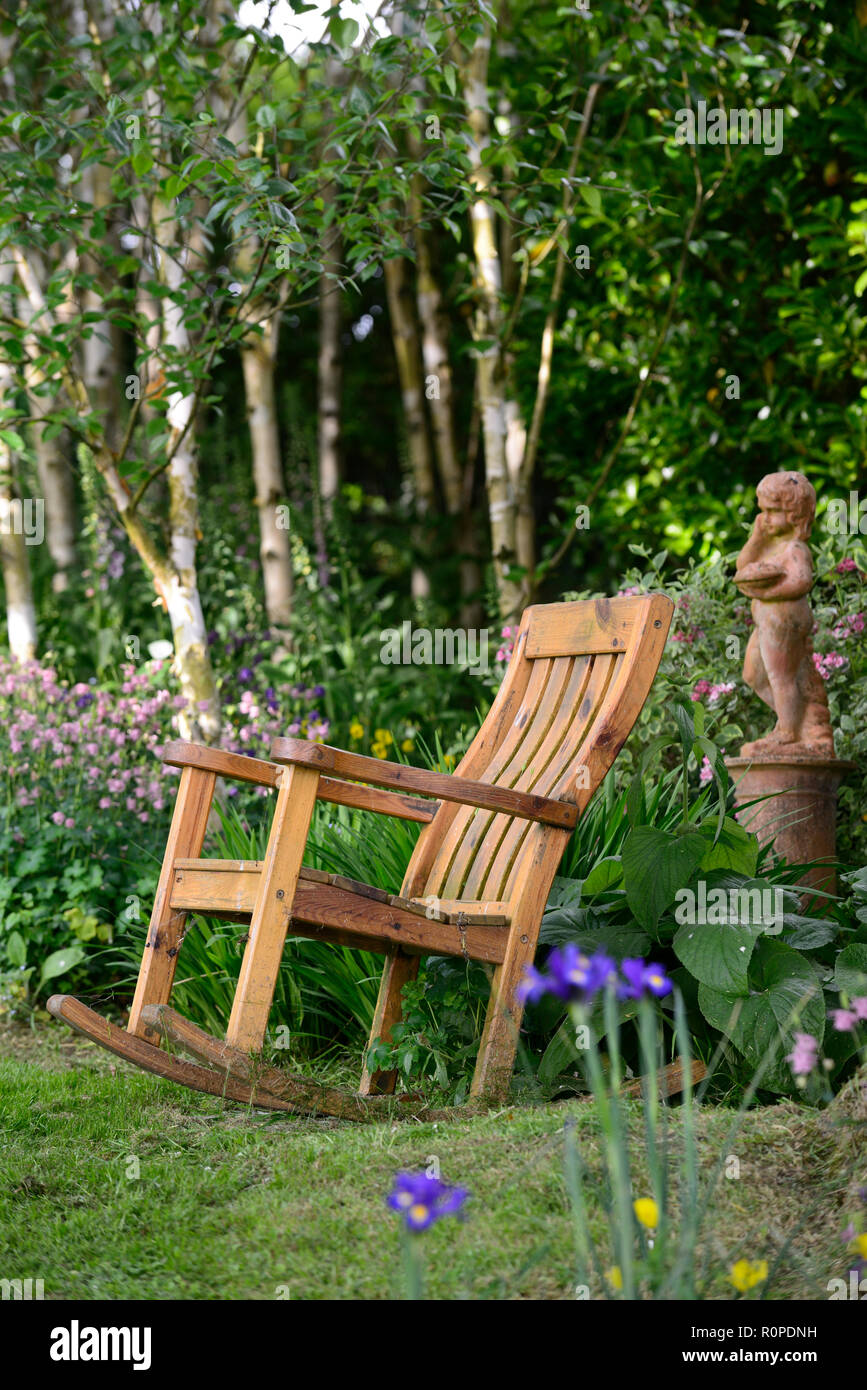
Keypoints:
(476, 886)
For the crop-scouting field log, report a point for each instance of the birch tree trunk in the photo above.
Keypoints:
(201, 717)
(439, 394)
(55, 475)
(502, 508)
(14, 560)
(258, 357)
(407, 351)
(330, 366)
(56, 483)
(15, 564)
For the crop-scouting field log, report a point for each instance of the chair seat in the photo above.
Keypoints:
(346, 911)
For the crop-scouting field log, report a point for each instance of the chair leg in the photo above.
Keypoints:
(186, 837)
(399, 970)
(498, 1048)
(273, 908)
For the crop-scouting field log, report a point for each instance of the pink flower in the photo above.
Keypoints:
(700, 688)
(804, 1055)
(859, 1007)
(69, 823)
(844, 1019)
(845, 566)
(831, 661)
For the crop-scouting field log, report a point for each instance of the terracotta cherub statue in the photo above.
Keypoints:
(775, 570)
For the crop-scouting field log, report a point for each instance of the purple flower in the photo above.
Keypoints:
(245, 675)
(533, 985)
(422, 1200)
(318, 691)
(642, 979)
(572, 975)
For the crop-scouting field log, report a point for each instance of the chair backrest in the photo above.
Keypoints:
(577, 679)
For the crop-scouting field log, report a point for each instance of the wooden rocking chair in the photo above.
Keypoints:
(476, 885)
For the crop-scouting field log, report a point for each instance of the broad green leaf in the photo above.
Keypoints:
(606, 874)
(60, 963)
(656, 864)
(735, 849)
(564, 892)
(850, 970)
(718, 954)
(16, 949)
(785, 997)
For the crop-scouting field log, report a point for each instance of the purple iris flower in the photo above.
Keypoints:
(422, 1200)
(576, 976)
(572, 975)
(245, 675)
(533, 985)
(642, 978)
(83, 701)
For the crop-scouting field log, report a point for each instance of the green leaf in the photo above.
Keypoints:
(592, 197)
(142, 161)
(565, 892)
(560, 1053)
(785, 997)
(806, 933)
(60, 963)
(450, 73)
(12, 439)
(735, 849)
(16, 949)
(344, 32)
(606, 874)
(850, 970)
(655, 865)
(718, 954)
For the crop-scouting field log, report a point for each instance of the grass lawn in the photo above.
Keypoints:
(114, 1184)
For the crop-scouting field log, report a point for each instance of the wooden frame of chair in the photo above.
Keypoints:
(477, 883)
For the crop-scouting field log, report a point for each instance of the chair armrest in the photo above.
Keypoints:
(356, 767)
(240, 768)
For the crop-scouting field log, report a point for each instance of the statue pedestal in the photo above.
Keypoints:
(801, 814)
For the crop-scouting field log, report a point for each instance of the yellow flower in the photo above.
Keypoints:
(449, 759)
(379, 750)
(614, 1277)
(356, 730)
(747, 1273)
(382, 736)
(407, 746)
(860, 1244)
(647, 1212)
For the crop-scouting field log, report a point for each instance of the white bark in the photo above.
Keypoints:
(258, 355)
(502, 508)
(14, 560)
(330, 372)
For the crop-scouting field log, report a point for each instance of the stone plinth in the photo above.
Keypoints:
(801, 814)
